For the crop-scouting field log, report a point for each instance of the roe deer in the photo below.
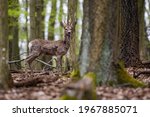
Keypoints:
(53, 48)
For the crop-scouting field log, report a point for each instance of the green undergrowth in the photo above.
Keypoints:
(75, 75)
(124, 78)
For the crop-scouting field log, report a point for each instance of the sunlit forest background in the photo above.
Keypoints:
(49, 15)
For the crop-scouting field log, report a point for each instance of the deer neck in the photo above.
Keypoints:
(67, 41)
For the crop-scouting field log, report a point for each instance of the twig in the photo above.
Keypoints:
(48, 63)
(15, 61)
(141, 72)
(43, 62)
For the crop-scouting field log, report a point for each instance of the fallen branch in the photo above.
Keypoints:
(141, 72)
(15, 61)
(43, 62)
(146, 64)
(49, 64)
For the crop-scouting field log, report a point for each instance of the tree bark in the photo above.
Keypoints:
(60, 18)
(26, 24)
(72, 15)
(36, 22)
(103, 28)
(5, 77)
(51, 30)
(104, 17)
(129, 33)
(32, 6)
(85, 40)
(142, 33)
(52, 20)
(39, 19)
(14, 33)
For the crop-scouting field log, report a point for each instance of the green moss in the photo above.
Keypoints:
(125, 78)
(92, 76)
(75, 75)
(91, 94)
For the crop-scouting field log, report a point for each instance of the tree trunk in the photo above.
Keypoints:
(142, 33)
(72, 15)
(102, 56)
(39, 19)
(85, 40)
(51, 30)
(26, 24)
(36, 23)
(14, 33)
(32, 6)
(5, 77)
(60, 18)
(103, 28)
(52, 20)
(129, 33)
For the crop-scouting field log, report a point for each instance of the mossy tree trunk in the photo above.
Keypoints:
(72, 15)
(98, 37)
(5, 77)
(103, 28)
(102, 58)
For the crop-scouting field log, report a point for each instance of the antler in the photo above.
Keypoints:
(63, 23)
(69, 22)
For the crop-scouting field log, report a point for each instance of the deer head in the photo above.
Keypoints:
(67, 27)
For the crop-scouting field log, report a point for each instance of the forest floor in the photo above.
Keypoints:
(52, 85)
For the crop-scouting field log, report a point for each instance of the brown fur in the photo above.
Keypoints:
(53, 48)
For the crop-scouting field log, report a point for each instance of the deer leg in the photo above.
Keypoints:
(30, 59)
(59, 63)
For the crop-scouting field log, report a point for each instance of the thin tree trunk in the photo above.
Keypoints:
(142, 33)
(26, 25)
(85, 40)
(5, 77)
(32, 6)
(51, 29)
(72, 15)
(52, 19)
(60, 18)
(39, 19)
(36, 22)
(14, 33)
